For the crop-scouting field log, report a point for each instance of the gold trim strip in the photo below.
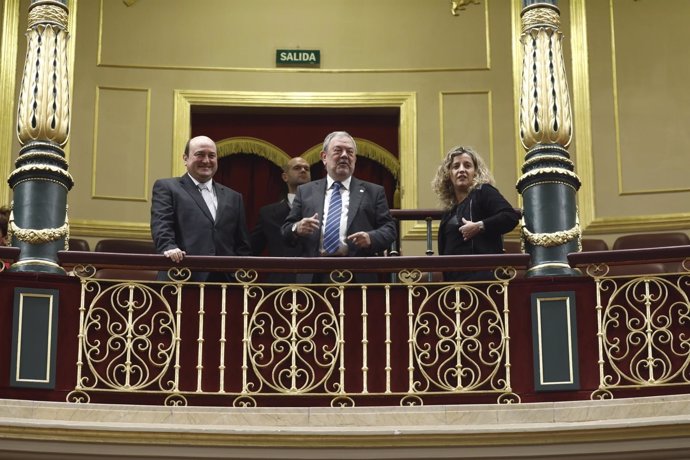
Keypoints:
(548, 170)
(549, 265)
(41, 167)
(36, 262)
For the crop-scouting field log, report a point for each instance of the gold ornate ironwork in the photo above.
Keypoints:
(459, 340)
(281, 341)
(549, 240)
(171, 339)
(642, 331)
(141, 344)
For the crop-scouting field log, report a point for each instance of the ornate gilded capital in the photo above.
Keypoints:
(48, 12)
(541, 15)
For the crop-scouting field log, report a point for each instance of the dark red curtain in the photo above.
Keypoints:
(294, 131)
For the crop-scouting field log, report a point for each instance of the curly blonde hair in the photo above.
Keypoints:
(442, 184)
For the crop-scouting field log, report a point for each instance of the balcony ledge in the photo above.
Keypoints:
(609, 429)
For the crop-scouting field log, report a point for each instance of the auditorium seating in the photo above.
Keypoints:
(594, 244)
(651, 240)
(78, 244)
(128, 247)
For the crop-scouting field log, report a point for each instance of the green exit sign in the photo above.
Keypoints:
(298, 58)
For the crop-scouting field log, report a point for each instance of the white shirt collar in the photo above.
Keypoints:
(345, 183)
(196, 182)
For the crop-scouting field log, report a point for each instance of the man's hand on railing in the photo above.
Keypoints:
(176, 254)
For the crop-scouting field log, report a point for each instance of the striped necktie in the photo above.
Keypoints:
(331, 234)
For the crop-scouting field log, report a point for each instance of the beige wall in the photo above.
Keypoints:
(138, 68)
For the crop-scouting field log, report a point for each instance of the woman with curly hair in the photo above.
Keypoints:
(475, 213)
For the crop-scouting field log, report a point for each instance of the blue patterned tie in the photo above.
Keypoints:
(331, 234)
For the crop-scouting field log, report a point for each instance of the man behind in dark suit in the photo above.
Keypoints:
(185, 222)
(366, 227)
(271, 217)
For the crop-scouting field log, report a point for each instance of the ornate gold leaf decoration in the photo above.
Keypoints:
(549, 240)
(34, 236)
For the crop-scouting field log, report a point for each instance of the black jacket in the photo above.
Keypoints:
(485, 203)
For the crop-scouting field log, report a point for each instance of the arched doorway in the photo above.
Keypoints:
(254, 143)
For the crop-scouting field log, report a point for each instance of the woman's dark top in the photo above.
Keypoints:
(484, 203)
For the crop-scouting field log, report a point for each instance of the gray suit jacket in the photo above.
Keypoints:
(181, 219)
(368, 212)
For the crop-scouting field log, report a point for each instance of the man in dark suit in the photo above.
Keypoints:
(267, 231)
(362, 226)
(196, 216)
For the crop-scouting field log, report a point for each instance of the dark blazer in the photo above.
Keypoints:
(267, 232)
(484, 203)
(368, 212)
(181, 219)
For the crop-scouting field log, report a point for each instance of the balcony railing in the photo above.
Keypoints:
(401, 340)
(248, 342)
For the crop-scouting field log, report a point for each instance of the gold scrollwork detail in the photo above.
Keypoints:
(175, 400)
(549, 240)
(85, 272)
(341, 276)
(342, 401)
(505, 273)
(78, 396)
(642, 324)
(597, 270)
(541, 17)
(51, 14)
(245, 276)
(411, 400)
(128, 340)
(410, 276)
(459, 342)
(294, 342)
(33, 236)
(244, 401)
(509, 398)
